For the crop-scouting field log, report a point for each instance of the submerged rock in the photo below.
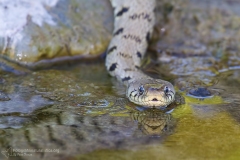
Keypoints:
(4, 96)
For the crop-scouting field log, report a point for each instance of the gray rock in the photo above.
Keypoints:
(34, 33)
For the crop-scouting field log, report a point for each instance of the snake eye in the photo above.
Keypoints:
(166, 89)
(141, 90)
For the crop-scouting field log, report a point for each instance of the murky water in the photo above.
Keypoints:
(81, 112)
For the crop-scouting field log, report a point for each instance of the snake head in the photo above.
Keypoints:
(151, 92)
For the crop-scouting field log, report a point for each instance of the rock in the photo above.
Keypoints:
(35, 33)
(4, 96)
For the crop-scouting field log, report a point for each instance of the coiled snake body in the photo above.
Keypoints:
(133, 26)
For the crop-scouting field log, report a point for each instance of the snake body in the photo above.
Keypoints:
(133, 27)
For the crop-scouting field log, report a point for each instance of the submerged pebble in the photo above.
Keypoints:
(200, 92)
(4, 96)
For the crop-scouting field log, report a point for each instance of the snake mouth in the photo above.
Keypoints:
(154, 99)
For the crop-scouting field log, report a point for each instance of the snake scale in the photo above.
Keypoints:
(133, 27)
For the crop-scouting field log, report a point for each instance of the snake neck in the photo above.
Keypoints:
(133, 25)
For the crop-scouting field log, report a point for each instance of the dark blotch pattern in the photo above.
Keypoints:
(111, 49)
(139, 54)
(118, 31)
(126, 78)
(148, 37)
(137, 67)
(120, 13)
(113, 67)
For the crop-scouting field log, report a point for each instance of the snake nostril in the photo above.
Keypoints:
(154, 99)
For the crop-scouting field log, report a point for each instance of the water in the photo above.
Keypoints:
(81, 112)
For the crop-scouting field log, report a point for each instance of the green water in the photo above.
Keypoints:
(82, 113)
